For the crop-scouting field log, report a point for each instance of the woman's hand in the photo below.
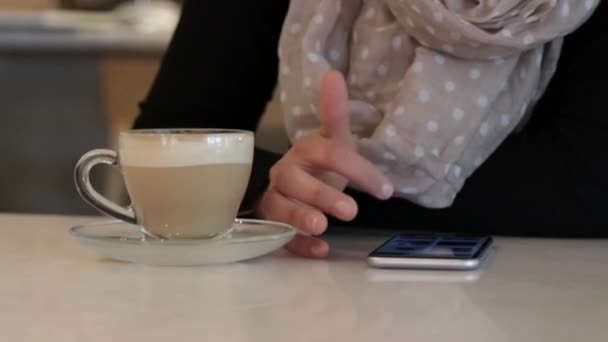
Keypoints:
(307, 183)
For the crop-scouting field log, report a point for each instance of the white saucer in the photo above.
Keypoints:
(122, 241)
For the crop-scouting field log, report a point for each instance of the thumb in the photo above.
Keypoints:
(335, 116)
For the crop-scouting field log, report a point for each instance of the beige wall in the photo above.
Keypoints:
(271, 132)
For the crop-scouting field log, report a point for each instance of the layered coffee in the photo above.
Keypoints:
(186, 186)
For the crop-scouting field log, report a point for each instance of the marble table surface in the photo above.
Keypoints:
(52, 289)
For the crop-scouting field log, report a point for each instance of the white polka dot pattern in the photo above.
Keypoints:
(457, 114)
(475, 73)
(389, 156)
(433, 92)
(409, 190)
(424, 96)
(482, 101)
(397, 41)
(334, 54)
(478, 161)
(382, 70)
(399, 111)
(450, 86)
(364, 53)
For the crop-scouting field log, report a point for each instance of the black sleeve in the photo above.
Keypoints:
(219, 71)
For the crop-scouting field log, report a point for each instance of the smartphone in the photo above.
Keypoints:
(432, 251)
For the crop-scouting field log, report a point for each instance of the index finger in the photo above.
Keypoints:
(330, 155)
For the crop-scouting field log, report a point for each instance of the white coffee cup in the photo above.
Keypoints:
(183, 183)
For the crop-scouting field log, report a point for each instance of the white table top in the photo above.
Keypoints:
(52, 290)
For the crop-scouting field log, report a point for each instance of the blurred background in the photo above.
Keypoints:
(72, 73)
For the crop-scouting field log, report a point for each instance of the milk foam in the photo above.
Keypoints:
(173, 150)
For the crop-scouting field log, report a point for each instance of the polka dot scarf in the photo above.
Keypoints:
(435, 85)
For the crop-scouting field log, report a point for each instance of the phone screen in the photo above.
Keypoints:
(434, 246)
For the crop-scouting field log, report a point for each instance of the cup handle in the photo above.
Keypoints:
(89, 194)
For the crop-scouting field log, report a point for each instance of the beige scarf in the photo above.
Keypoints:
(435, 85)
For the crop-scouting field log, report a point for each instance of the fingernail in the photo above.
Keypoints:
(318, 249)
(313, 222)
(343, 209)
(387, 190)
(316, 224)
